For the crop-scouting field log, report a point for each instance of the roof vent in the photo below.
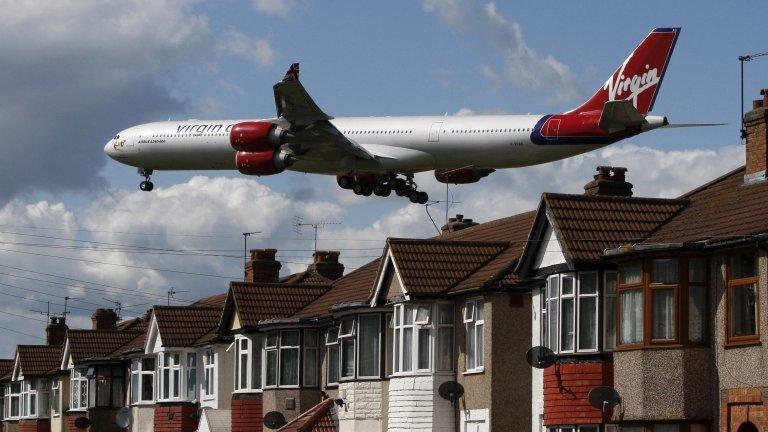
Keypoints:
(457, 223)
(609, 181)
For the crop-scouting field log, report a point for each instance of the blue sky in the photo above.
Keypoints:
(96, 68)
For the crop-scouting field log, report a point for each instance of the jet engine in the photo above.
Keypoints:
(263, 163)
(256, 136)
(461, 175)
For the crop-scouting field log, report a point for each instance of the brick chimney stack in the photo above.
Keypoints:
(262, 267)
(104, 319)
(56, 331)
(609, 181)
(755, 124)
(327, 264)
(457, 223)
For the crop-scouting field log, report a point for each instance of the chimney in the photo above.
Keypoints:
(104, 319)
(755, 126)
(262, 267)
(457, 223)
(609, 181)
(56, 331)
(327, 264)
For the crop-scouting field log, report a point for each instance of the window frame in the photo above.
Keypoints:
(77, 377)
(282, 348)
(332, 344)
(359, 345)
(209, 375)
(140, 372)
(308, 351)
(400, 327)
(172, 369)
(551, 331)
(730, 284)
(612, 297)
(345, 339)
(650, 310)
(471, 328)
(55, 401)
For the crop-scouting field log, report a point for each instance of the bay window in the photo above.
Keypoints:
(13, 400)
(412, 338)
(474, 322)
(270, 354)
(347, 347)
(444, 361)
(78, 390)
(56, 397)
(105, 386)
(29, 398)
(742, 298)
(191, 376)
(311, 348)
(370, 345)
(248, 365)
(609, 317)
(332, 350)
(242, 355)
(289, 358)
(143, 380)
(652, 295)
(569, 312)
(209, 374)
(170, 375)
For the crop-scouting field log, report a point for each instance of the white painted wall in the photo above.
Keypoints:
(478, 420)
(414, 404)
(550, 252)
(537, 379)
(363, 409)
(143, 418)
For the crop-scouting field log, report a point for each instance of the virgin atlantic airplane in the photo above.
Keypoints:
(381, 154)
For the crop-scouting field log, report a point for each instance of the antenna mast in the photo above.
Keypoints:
(315, 225)
(245, 251)
(742, 59)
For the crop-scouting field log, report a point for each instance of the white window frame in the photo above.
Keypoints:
(79, 376)
(55, 402)
(29, 391)
(560, 321)
(399, 331)
(137, 369)
(272, 349)
(190, 371)
(577, 312)
(452, 332)
(471, 324)
(346, 338)
(550, 299)
(610, 297)
(359, 345)
(208, 386)
(174, 369)
(310, 352)
(239, 368)
(332, 343)
(281, 356)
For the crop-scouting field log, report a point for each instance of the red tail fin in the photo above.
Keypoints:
(637, 79)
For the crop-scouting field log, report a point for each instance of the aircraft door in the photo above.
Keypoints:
(552, 130)
(434, 132)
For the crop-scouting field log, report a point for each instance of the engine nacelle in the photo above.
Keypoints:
(263, 163)
(461, 175)
(256, 136)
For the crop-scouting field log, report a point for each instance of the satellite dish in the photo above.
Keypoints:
(540, 357)
(82, 422)
(451, 391)
(124, 418)
(604, 398)
(274, 420)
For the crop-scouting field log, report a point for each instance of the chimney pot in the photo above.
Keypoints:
(609, 181)
(262, 267)
(457, 223)
(327, 264)
(104, 319)
(56, 331)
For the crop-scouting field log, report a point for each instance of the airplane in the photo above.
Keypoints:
(378, 155)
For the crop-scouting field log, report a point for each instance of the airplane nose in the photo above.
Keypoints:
(109, 149)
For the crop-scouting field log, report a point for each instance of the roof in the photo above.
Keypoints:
(216, 300)
(511, 229)
(261, 301)
(6, 368)
(354, 286)
(309, 276)
(216, 420)
(437, 266)
(588, 225)
(88, 344)
(39, 360)
(319, 418)
(722, 209)
(182, 326)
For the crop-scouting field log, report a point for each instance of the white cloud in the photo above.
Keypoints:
(253, 49)
(465, 112)
(523, 67)
(274, 7)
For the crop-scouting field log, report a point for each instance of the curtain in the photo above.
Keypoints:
(663, 314)
(566, 326)
(631, 316)
(587, 323)
(289, 366)
(369, 345)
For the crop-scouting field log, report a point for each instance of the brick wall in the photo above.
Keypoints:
(175, 417)
(247, 412)
(755, 123)
(71, 417)
(566, 390)
(742, 405)
(37, 425)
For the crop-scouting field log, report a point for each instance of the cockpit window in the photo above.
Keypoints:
(116, 137)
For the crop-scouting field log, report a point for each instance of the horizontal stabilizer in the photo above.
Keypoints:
(620, 114)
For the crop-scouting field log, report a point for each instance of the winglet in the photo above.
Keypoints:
(292, 74)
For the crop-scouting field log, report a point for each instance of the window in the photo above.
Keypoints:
(370, 345)
(270, 353)
(29, 398)
(332, 349)
(289, 358)
(609, 321)
(347, 347)
(553, 299)
(79, 390)
(697, 299)
(209, 374)
(630, 291)
(587, 318)
(569, 307)
(142, 380)
(241, 363)
(311, 348)
(389, 344)
(248, 364)
(56, 397)
(191, 376)
(412, 338)
(444, 361)
(474, 322)
(663, 289)
(170, 375)
(567, 316)
(105, 386)
(742, 298)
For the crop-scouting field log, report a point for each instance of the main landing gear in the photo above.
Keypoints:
(383, 186)
(146, 185)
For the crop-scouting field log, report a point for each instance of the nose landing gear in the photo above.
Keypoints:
(383, 187)
(146, 185)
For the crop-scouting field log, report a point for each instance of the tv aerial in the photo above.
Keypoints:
(274, 420)
(124, 418)
(604, 398)
(298, 223)
(450, 391)
(540, 357)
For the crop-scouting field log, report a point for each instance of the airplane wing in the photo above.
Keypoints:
(309, 125)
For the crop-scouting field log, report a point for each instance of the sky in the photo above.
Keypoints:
(74, 224)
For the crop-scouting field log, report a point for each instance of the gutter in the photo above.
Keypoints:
(705, 245)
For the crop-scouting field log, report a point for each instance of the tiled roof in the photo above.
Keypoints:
(212, 301)
(510, 229)
(354, 286)
(181, 326)
(85, 344)
(436, 266)
(588, 225)
(319, 418)
(261, 301)
(135, 344)
(6, 368)
(306, 277)
(722, 209)
(39, 360)
(217, 420)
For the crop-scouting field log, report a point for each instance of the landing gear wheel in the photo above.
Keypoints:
(382, 190)
(402, 190)
(146, 186)
(423, 197)
(358, 188)
(415, 196)
(345, 181)
(367, 190)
